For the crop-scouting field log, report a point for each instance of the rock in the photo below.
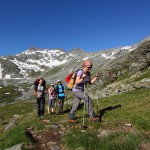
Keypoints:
(128, 127)
(144, 145)
(11, 125)
(16, 147)
(104, 133)
(80, 148)
(53, 145)
(136, 67)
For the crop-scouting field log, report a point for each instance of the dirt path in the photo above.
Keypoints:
(49, 139)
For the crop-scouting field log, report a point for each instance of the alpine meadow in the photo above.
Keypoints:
(120, 98)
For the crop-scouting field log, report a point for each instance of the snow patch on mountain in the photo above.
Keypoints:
(8, 76)
(35, 59)
(106, 56)
(129, 48)
(1, 71)
(39, 60)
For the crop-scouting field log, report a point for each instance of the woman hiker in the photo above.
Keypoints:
(40, 91)
(83, 77)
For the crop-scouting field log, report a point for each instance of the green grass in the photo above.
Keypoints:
(4, 97)
(122, 77)
(25, 86)
(17, 135)
(133, 108)
(146, 74)
(89, 141)
(28, 119)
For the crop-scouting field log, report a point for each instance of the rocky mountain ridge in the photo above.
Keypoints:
(115, 65)
(34, 61)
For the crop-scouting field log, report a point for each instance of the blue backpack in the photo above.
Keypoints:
(60, 90)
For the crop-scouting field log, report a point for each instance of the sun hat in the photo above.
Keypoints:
(58, 80)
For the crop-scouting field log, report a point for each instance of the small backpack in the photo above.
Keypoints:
(60, 90)
(72, 80)
(36, 82)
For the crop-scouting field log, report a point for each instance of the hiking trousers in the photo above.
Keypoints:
(78, 96)
(60, 103)
(40, 106)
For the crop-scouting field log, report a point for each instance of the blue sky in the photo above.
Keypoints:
(88, 24)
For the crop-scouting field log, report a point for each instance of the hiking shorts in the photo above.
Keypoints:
(51, 102)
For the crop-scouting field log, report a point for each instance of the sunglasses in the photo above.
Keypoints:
(89, 67)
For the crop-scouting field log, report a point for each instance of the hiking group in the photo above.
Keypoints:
(76, 81)
(40, 90)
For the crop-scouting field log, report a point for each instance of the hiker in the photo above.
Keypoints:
(52, 94)
(61, 96)
(83, 77)
(39, 91)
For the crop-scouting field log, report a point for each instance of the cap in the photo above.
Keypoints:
(58, 80)
(52, 84)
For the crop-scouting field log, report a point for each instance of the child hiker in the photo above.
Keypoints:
(83, 77)
(52, 94)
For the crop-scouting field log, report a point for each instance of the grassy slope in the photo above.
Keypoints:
(8, 93)
(134, 109)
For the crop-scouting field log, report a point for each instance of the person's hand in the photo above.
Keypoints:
(83, 75)
(38, 96)
(97, 75)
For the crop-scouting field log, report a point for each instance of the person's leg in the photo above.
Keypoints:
(52, 105)
(42, 105)
(48, 108)
(76, 102)
(80, 95)
(89, 106)
(62, 104)
(59, 102)
(38, 107)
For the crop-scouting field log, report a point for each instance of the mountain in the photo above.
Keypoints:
(116, 64)
(34, 61)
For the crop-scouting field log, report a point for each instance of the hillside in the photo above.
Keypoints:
(123, 124)
(121, 99)
(54, 64)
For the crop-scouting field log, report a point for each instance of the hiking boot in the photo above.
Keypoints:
(93, 119)
(72, 121)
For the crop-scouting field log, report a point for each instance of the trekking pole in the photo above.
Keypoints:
(98, 96)
(97, 104)
(83, 122)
